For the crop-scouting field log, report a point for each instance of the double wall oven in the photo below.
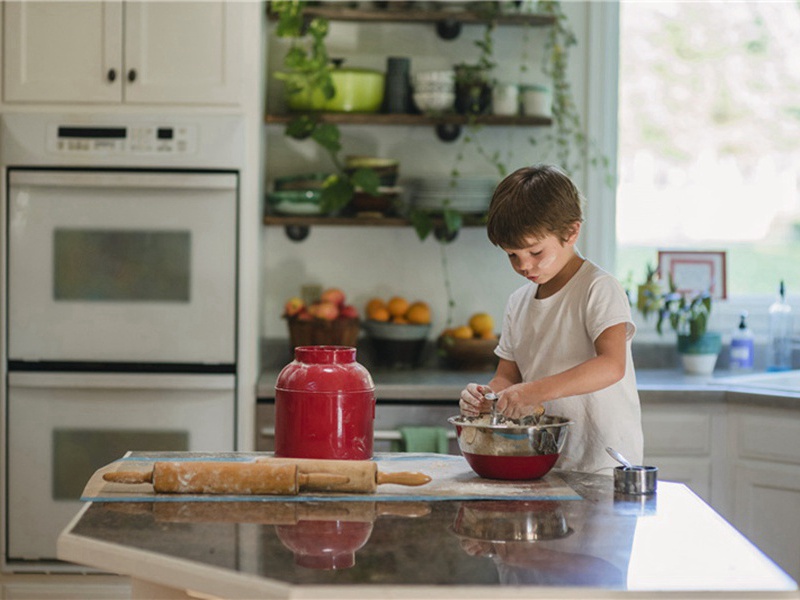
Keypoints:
(120, 296)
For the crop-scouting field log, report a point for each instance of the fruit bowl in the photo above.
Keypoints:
(468, 353)
(509, 450)
(397, 344)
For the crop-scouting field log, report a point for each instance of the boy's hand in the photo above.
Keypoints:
(472, 401)
(514, 403)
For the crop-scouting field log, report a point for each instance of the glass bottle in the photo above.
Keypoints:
(779, 357)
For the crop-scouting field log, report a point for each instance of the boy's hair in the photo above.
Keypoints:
(532, 202)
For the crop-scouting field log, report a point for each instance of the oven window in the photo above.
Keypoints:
(121, 265)
(78, 453)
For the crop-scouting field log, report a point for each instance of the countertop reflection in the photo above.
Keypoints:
(667, 541)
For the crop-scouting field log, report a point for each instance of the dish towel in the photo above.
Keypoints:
(424, 439)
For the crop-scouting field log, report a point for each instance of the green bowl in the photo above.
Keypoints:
(295, 202)
(305, 181)
(357, 90)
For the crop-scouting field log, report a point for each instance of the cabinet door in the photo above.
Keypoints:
(768, 511)
(63, 51)
(183, 52)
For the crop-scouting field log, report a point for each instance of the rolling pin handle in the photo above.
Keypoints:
(403, 478)
(129, 476)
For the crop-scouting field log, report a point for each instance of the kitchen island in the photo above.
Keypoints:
(594, 544)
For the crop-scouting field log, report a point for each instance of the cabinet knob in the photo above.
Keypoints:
(132, 75)
(112, 74)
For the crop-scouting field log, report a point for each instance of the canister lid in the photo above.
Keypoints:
(324, 369)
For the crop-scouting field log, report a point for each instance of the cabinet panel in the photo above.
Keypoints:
(137, 52)
(62, 51)
(768, 511)
(667, 432)
(769, 437)
(183, 52)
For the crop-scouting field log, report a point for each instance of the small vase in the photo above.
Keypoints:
(699, 355)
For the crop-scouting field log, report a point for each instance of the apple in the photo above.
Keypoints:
(304, 315)
(333, 295)
(327, 311)
(348, 311)
(293, 306)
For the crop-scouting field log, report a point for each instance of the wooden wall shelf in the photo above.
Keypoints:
(415, 15)
(297, 227)
(421, 120)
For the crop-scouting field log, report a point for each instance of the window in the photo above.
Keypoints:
(709, 139)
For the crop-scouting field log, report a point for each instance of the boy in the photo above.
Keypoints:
(566, 334)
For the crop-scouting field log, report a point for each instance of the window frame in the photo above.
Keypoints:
(601, 107)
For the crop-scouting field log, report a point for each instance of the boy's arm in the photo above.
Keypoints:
(601, 371)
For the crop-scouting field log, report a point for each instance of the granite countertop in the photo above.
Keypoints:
(596, 545)
(655, 385)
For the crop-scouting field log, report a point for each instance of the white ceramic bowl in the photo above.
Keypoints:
(434, 77)
(434, 101)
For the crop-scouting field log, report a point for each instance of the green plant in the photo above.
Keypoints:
(687, 314)
(307, 68)
(566, 138)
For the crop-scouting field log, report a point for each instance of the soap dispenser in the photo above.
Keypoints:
(741, 351)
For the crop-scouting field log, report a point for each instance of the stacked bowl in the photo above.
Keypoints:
(434, 91)
(467, 195)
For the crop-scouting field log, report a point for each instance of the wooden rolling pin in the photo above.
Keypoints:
(258, 478)
(362, 475)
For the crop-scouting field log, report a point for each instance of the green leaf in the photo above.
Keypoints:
(422, 223)
(327, 135)
(300, 127)
(367, 179)
(452, 220)
(336, 193)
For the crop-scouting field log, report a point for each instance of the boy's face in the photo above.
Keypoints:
(542, 258)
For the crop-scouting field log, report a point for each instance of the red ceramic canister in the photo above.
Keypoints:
(324, 405)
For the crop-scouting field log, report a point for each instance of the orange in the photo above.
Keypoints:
(489, 335)
(481, 323)
(400, 320)
(419, 313)
(464, 332)
(397, 306)
(374, 304)
(379, 314)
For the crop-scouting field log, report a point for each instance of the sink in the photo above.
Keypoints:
(787, 381)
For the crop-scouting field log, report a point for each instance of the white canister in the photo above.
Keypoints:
(505, 99)
(537, 101)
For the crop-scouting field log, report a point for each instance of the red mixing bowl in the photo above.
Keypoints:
(511, 451)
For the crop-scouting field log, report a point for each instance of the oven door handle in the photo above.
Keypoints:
(95, 179)
(116, 381)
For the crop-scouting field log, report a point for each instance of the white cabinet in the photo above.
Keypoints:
(767, 482)
(683, 440)
(186, 52)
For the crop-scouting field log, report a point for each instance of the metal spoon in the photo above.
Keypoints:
(495, 416)
(619, 458)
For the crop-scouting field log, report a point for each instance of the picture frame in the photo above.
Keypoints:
(695, 271)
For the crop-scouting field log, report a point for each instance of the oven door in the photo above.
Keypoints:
(65, 426)
(122, 266)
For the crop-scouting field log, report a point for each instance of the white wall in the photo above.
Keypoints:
(367, 262)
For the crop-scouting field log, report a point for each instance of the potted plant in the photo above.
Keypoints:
(308, 70)
(688, 316)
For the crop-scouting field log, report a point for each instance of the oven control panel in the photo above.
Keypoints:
(122, 140)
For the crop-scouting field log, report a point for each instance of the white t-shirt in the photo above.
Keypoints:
(548, 336)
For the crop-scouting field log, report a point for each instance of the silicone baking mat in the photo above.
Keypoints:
(451, 479)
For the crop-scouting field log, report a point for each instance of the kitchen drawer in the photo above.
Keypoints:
(672, 433)
(769, 437)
